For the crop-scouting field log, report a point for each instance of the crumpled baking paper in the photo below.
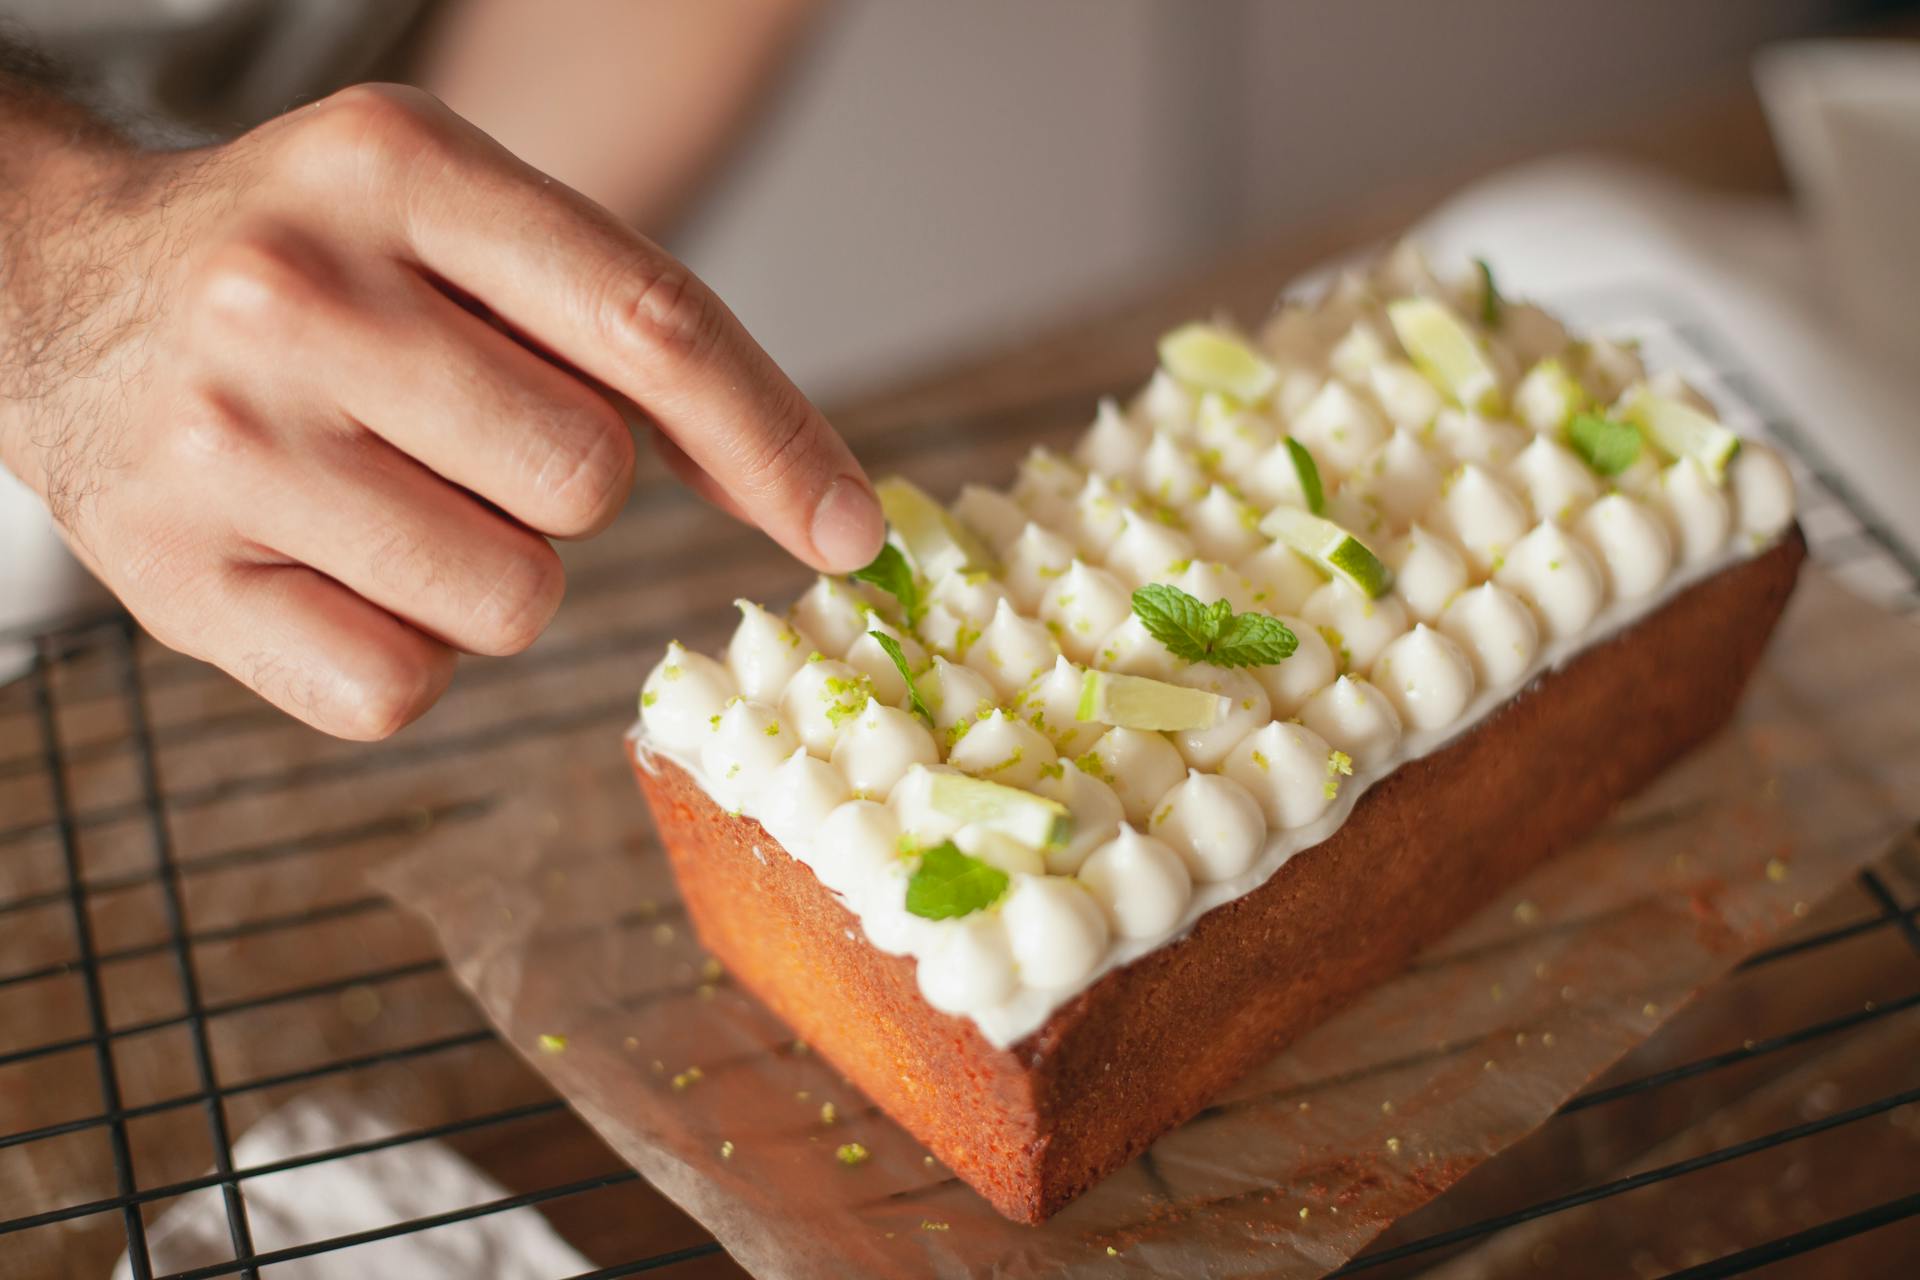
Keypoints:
(560, 918)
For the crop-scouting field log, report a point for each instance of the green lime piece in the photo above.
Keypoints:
(1136, 702)
(1034, 821)
(1209, 358)
(1332, 548)
(1443, 348)
(938, 543)
(1681, 431)
(1308, 473)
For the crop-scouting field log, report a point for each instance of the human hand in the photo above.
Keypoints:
(308, 401)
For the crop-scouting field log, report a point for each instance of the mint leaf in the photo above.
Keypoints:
(1253, 640)
(1211, 633)
(890, 572)
(1491, 303)
(914, 702)
(1175, 619)
(949, 883)
(1608, 445)
(1309, 473)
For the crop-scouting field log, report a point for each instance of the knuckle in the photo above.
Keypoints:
(212, 434)
(512, 610)
(787, 444)
(376, 128)
(667, 314)
(257, 286)
(584, 474)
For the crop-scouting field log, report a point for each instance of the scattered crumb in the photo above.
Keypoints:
(1800, 910)
(551, 1043)
(1112, 1252)
(1487, 1065)
(726, 1150)
(1393, 1145)
(630, 1043)
(1776, 870)
(711, 970)
(1566, 993)
(1305, 1105)
(927, 1224)
(1386, 1108)
(705, 990)
(927, 1161)
(802, 1095)
(689, 1077)
(1525, 912)
(829, 1114)
(1303, 1213)
(850, 1154)
(663, 935)
(1546, 1038)
(800, 1047)
(1650, 1009)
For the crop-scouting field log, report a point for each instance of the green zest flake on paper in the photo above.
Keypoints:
(1308, 474)
(1209, 358)
(1607, 445)
(1491, 303)
(1211, 633)
(915, 703)
(949, 884)
(890, 572)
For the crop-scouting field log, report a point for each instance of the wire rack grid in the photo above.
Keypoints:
(128, 853)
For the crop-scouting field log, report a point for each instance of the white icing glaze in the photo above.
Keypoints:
(970, 967)
(1312, 667)
(1470, 438)
(1213, 823)
(1049, 704)
(1097, 814)
(1631, 544)
(1495, 629)
(1223, 527)
(854, 849)
(1208, 580)
(1082, 606)
(1479, 514)
(1140, 883)
(1340, 428)
(969, 595)
(996, 518)
(1114, 444)
(682, 694)
(1762, 491)
(1139, 765)
(1035, 562)
(1170, 475)
(1131, 648)
(1352, 623)
(1284, 766)
(1426, 677)
(1247, 708)
(1282, 579)
(1012, 651)
(1427, 572)
(831, 614)
(879, 745)
(1046, 484)
(1098, 515)
(955, 694)
(764, 653)
(745, 745)
(1230, 439)
(1697, 511)
(1555, 483)
(1058, 932)
(1354, 717)
(820, 698)
(867, 657)
(800, 792)
(1004, 750)
(1557, 576)
(1147, 550)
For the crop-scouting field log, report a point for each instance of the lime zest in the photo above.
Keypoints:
(1331, 547)
(1211, 633)
(948, 883)
(915, 703)
(1308, 473)
(1607, 445)
(1209, 358)
(1137, 702)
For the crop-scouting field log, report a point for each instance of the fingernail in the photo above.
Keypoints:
(847, 526)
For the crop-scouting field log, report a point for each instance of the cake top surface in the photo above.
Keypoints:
(1052, 725)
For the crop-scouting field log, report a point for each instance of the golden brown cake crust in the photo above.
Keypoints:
(1032, 1126)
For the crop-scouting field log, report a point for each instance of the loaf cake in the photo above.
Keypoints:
(1090, 793)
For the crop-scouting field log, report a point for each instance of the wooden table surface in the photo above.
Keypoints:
(302, 968)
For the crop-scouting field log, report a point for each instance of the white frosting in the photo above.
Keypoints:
(1555, 483)
(1356, 626)
(1213, 823)
(764, 653)
(867, 657)
(1573, 557)
(1004, 750)
(1497, 631)
(1170, 475)
(1147, 550)
(1480, 515)
(801, 791)
(1354, 717)
(1097, 814)
(682, 694)
(1035, 562)
(1697, 511)
(822, 697)
(831, 614)
(1285, 766)
(1426, 677)
(1114, 444)
(1139, 765)
(879, 746)
(1012, 651)
(1427, 572)
(990, 514)
(745, 744)
(1058, 932)
(1631, 544)
(1082, 606)
(1557, 576)
(1140, 883)
(1247, 708)
(1050, 705)
(1762, 491)
(1223, 527)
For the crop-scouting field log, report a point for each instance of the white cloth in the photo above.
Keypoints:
(359, 1193)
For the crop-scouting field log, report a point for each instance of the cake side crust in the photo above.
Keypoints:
(1149, 1044)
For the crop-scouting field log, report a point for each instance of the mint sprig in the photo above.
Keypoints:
(1491, 303)
(915, 703)
(948, 883)
(1309, 473)
(1211, 633)
(1607, 445)
(890, 572)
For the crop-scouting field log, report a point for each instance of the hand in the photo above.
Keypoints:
(309, 401)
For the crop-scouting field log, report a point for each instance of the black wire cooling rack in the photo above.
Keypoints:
(92, 673)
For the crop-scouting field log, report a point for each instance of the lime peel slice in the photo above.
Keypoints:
(1209, 358)
(1330, 547)
(938, 543)
(1443, 348)
(1137, 702)
(1034, 821)
(1682, 431)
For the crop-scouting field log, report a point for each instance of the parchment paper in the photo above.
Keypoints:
(560, 917)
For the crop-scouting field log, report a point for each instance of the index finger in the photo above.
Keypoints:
(566, 273)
